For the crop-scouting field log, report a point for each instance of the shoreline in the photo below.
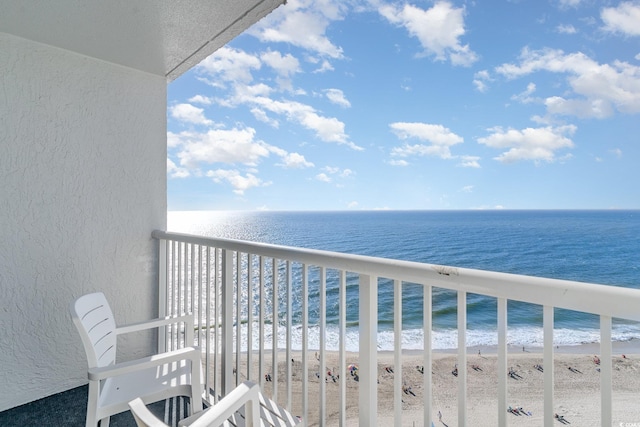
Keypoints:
(618, 347)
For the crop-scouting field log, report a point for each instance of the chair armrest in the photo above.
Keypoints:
(155, 323)
(245, 393)
(187, 353)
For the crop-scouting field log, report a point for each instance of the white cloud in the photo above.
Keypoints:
(352, 205)
(286, 65)
(537, 144)
(467, 189)
(189, 114)
(525, 96)
(569, 3)
(439, 137)
(261, 116)
(176, 172)
(438, 29)
(239, 183)
(480, 80)
(221, 146)
(396, 162)
(173, 140)
(625, 18)
(566, 29)
(337, 97)
(324, 67)
(295, 161)
(616, 152)
(202, 100)
(469, 162)
(323, 177)
(342, 173)
(598, 89)
(328, 129)
(234, 66)
(231, 65)
(302, 23)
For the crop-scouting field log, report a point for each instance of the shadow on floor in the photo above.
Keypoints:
(67, 409)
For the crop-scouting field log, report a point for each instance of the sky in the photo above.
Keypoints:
(366, 104)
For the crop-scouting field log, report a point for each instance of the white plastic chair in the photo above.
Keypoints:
(112, 385)
(244, 406)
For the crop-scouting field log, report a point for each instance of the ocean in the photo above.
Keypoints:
(588, 246)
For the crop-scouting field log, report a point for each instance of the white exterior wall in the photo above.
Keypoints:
(82, 185)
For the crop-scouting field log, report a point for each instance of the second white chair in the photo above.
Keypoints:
(244, 406)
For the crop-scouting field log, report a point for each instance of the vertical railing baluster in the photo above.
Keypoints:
(249, 316)
(163, 265)
(197, 291)
(322, 369)
(172, 293)
(237, 316)
(502, 362)
(288, 345)
(462, 358)
(368, 393)
(192, 307)
(176, 295)
(605, 371)
(227, 322)
(261, 372)
(207, 328)
(397, 353)
(274, 327)
(547, 316)
(305, 343)
(427, 310)
(342, 363)
(188, 309)
(215, 305)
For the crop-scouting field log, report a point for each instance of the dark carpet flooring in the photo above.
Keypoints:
(69, 409)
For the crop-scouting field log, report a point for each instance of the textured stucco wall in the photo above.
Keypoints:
(82, 185)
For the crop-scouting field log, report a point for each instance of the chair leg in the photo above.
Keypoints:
(105, 422)
(92, 404)
(196, 388)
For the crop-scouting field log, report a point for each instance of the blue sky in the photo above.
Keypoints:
(335, 105)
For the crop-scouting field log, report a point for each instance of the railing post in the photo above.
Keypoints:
(227, 322)
(162, 293)
(342, 348)
(605, 371)
(322, 344)
(502, 362)
(548, 365)
(305, 342)
(397, 356)
(462, 358)
(368, 391)
(427, 356)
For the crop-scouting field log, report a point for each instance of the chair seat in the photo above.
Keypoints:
(271, 415)
(173, 379)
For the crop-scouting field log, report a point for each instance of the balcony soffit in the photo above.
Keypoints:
(164, 37)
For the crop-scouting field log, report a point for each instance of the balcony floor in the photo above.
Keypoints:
(67, 408)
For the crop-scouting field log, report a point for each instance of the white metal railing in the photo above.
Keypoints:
(218, 279)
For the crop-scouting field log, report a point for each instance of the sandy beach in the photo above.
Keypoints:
(577, 390)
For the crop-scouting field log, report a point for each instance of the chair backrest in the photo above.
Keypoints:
(93, 317)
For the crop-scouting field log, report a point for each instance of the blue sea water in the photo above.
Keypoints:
(587, 246)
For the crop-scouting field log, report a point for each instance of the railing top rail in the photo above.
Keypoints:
(613, 301)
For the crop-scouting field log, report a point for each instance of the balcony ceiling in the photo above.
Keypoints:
(165, 37)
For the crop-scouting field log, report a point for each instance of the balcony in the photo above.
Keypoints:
(239, 290)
